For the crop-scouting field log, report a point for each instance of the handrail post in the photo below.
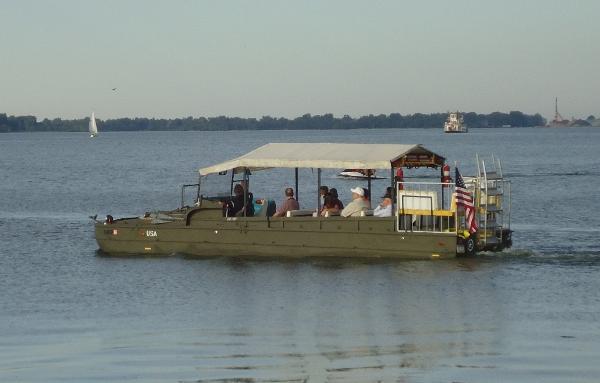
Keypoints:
(246, 190)
(182, 191)
(393, 196)
(296, 190)
(318, 190)
(198, 190)
(442, 178)
(369, 184)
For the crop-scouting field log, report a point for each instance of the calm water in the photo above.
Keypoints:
(68, 315)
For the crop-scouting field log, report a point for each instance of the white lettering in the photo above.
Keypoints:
(151, 233)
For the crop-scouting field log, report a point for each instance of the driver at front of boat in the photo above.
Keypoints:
(235, 206)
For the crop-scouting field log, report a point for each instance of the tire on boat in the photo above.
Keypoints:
(506, 238)
(469, 245)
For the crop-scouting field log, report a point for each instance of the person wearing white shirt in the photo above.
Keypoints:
(384, 209)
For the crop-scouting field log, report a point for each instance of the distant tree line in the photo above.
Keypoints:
(307, 121)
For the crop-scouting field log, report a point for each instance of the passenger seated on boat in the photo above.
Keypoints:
(323, 193)
(331, 205)
(288, 204)
(367, 196)
(250, 206)
(384, 209)
(358, 204)
(264, 208)
(235, 206)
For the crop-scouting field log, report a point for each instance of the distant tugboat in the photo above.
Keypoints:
(455, 124)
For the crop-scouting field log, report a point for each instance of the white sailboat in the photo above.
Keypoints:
(92, 127)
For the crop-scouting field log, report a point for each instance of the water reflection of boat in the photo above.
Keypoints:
(427, 220)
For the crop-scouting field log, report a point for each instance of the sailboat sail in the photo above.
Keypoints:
(93, 128)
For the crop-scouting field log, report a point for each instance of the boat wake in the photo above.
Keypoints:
(583, 173)
(563, 257)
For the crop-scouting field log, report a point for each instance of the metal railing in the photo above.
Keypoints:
(493, 201)
(425, 207)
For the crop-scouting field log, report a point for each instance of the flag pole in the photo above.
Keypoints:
(456, 202)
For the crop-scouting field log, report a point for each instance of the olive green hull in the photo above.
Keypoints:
(273, 237)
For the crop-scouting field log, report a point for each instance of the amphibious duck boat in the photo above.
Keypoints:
(428, 219)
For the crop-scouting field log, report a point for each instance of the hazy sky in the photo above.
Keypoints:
(286, 58)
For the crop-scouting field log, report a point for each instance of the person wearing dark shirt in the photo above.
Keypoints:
(235, 206)
(367, 196)
(332, 204)
(250, 206)
(323, 193)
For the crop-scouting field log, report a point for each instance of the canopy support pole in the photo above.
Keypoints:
(198, 191)
(246, 187)
(318, 190)
(296, 190)
(442, 178)
(369, 184)
(392, 184)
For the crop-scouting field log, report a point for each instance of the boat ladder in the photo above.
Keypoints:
(493, 203)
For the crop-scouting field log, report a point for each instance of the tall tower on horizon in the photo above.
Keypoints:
(557, 117)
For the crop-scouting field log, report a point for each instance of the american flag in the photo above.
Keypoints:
(464, 198)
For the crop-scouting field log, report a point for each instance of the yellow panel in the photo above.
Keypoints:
(437, 213)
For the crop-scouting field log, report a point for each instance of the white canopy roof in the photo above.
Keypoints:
(319, 155)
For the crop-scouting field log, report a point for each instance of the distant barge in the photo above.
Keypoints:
(455, 124)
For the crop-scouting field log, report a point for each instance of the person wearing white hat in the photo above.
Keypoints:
(358, 204)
